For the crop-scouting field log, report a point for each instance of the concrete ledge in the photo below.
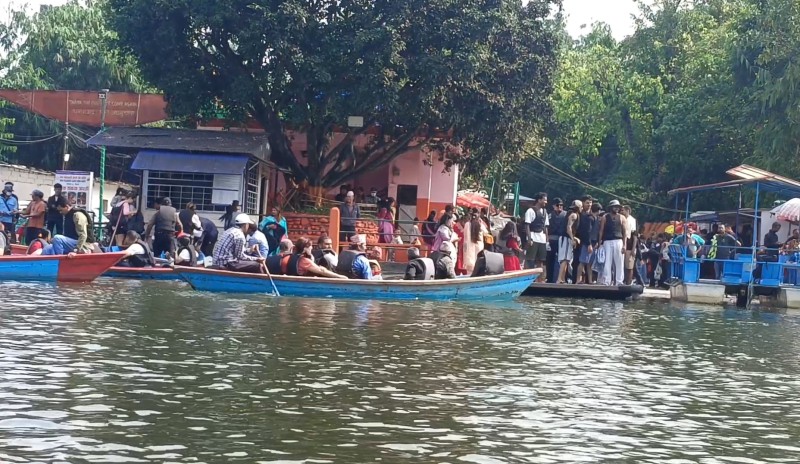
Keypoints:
(789, 298)
(699, 293)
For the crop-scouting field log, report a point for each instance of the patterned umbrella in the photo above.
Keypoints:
(472, 200)
(789, 211)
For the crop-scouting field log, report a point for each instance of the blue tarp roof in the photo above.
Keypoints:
(177, 161)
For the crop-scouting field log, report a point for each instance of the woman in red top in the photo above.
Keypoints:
(513, 250)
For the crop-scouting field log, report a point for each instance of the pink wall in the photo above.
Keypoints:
(412, 171)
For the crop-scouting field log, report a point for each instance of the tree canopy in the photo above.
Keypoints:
(698, 88)
(478, 71)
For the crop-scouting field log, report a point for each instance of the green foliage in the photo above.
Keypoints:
(700, 87)
(478, 70)
(69, 47)
(5, 146)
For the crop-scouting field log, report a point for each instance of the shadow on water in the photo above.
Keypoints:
(152, 372)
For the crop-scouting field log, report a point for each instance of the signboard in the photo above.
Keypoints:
(80, 107)
(77, 187)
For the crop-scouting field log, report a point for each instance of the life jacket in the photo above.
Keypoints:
(439, 270)
(185, 216)
(346, 260)
(139, 260)
(289, 264)
(192, 256)
(114, 216)
(558, 224)
(613, 227)
(320, 260)
(40, 241)
(70, 229)
(489, 263)
(428, 268)
(539, 218)
(274, 264)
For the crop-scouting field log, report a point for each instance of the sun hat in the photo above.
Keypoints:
(358, 239)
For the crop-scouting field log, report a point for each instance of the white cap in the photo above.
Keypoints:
(577, 204)
(351, 194)
(358, 239)
(243, 219)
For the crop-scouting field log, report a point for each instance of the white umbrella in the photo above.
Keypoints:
(789, 211)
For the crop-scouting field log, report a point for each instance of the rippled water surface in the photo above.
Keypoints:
(154, 372)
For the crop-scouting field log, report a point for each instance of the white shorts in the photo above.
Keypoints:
(564, 249)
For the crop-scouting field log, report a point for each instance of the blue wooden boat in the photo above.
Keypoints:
(142, 273)
(58, 268)
(498, 287)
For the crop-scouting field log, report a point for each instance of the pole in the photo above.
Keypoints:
(104, 102)
(66, 147)
(756, 221)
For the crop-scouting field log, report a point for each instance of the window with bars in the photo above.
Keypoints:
(182, 188)
(251, 192)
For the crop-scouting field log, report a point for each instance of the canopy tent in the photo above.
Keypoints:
(789, 211)
(467, 199)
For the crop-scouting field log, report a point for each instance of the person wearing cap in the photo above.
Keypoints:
(419, 268)
(567, 241)
(35, 212)
(349, 214)
(353, 262)
(9, 209)
(536, 224)
(55, 221)
(229, 254)
(166, 221)
(557, 229)
(613, 227)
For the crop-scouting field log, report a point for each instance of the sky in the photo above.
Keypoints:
(580, 13)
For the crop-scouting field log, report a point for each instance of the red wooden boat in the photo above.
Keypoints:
(18, 250)
(57, 268)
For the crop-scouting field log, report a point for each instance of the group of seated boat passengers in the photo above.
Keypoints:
(243, 248)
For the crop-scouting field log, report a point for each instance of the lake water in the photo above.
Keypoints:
(153, 372)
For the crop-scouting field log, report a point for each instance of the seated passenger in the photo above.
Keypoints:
(353, 262)
(78, 231)
(374, 257)
(419, 268)
(301, 263)
(137, 252)
(488, 263)
(324, 255)
(186, 254)
(37, 245)
(443, 261)
(229, 253)
(257, 242)
(275, 263)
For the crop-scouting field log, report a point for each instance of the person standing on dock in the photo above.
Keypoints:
(556, 230)
(585, 228)
(536, 223)
(55, 221)
(9, 208)
(567, 241)
(613, 228)
(349, 214)
(631, 238)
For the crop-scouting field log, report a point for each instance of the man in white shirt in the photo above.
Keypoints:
(630, 244)
(536, 223)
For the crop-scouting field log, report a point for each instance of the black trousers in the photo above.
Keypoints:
(56, 226)
(252, 267)
(163, 241)
(31, 234)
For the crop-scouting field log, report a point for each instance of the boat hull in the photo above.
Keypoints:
(134, 273)
(499, 287)
(62, 268)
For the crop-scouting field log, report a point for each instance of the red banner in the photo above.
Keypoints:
(81, 107)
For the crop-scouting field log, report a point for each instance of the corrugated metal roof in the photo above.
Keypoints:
(750, 176)
(175, 161)
(184, 140)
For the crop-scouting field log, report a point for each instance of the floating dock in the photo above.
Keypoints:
(600, 292)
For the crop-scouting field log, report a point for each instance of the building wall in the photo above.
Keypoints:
(27, 179)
